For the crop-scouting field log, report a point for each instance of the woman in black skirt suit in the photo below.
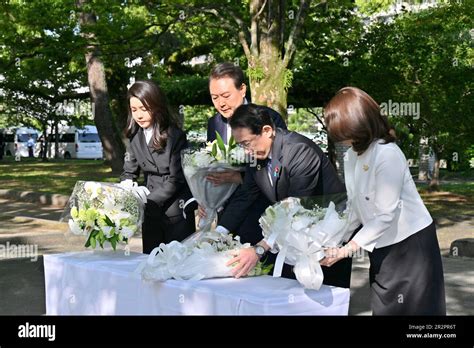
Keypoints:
(406, 272)
(155, 149)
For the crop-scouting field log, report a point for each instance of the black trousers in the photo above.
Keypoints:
(158, 228)
(407, 278)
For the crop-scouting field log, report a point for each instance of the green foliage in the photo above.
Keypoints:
(38, 75)
(288, 80)
(301, 120)
(323, 63)
(373, 6)
(425, 58)
(221, 145)
(196, 117)
(186, 90)
(256, 74)
(214, 150)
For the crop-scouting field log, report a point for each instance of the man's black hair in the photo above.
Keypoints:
(228, 70)
(251, 116)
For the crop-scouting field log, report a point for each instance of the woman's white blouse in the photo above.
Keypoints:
(148, 133)
(382, 196)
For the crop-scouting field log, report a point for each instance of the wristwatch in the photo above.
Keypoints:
(259, 250)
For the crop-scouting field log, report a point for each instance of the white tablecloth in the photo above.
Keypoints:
(105, 283)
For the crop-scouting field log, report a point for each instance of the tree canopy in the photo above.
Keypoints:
(296, 54)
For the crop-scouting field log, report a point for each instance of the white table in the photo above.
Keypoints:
(97, 283)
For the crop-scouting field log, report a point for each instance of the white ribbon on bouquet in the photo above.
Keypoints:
(195, 258)
(301, 238)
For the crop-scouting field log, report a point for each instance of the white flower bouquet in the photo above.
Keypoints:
(103, 213)
(301, 235)
(216, 157)
(202, 255)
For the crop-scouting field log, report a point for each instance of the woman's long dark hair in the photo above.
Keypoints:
(154, 101)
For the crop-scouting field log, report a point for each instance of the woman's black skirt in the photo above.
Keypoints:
(407, 278)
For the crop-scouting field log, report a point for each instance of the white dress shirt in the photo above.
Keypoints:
(229, 132)
(148, 133)
(382, 196)
(229, 129)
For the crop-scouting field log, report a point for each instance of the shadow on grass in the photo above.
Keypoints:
(52, 177)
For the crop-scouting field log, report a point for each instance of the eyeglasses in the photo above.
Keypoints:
(246, 144)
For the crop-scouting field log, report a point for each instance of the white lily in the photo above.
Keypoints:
(107, 230)
(75, 228)
(128, 231)
(93, 189)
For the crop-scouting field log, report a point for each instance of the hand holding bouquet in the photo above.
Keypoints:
(198, 164)
(202, 255)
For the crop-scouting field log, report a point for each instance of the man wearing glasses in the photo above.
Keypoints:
(288, 165)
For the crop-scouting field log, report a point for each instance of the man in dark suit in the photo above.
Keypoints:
(288, 165)
(227, 89)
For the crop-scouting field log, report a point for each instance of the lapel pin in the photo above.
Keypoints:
(365, 167)
(276, 172)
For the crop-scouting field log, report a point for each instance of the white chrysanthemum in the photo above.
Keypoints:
(202, 159)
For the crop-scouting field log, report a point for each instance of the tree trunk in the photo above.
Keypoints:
(423, 159)
(268, 90)
(117, 87)
(44, 144)
(434, 182)
(56, 138)
(267, 77)
(113, 150)
(268, 54)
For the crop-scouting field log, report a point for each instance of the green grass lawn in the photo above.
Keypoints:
(453, 199)
(54, 176)
(59, 176)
